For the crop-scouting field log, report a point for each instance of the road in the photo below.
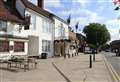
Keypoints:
(115, 61)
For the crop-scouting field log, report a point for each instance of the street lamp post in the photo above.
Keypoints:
(96, 47)
(94, 55)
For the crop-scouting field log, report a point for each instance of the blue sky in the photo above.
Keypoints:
(86, 11)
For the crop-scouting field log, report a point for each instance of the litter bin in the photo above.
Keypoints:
(44, 55)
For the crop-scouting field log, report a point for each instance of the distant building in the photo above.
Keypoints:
(82, 42)
(115, 45)
(61, 35)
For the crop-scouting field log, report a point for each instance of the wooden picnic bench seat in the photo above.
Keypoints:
(24, 63)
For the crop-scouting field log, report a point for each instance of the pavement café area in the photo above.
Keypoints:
(16, 63)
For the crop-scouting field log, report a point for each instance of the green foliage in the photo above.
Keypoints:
(96, 34)
(92, 46)
(105, 46)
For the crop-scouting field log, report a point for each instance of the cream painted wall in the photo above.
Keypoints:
(58, 26)
(38, 31)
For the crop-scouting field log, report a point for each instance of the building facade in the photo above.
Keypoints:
(35, 37)
(61, 35)
(31, 30)
(10, 25)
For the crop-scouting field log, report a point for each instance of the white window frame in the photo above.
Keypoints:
(47, 26)
(33, 22)
(3, 25)
(46, 46)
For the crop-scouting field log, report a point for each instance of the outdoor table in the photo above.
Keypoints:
(25, 62)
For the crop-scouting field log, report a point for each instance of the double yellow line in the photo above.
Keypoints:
(114, 74)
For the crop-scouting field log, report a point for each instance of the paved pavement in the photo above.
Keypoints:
(45, 72)
(115, 61)
(75, 69)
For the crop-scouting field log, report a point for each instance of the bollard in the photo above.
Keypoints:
(94, 57)
(90, 66)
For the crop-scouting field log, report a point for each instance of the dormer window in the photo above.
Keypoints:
(27, 22)
(3, 25)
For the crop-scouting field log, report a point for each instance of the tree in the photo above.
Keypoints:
(105, 46)
(96, 34)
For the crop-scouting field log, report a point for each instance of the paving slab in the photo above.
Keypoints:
(45, 72)
(75, 69)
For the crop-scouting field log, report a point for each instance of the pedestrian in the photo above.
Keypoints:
(67, 47)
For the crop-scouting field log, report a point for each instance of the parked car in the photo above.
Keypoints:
(107, 50)
(87, 50)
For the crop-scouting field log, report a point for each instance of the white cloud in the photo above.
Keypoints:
(83, 15)
(52, 3)
(110, 1)
(82, 3)
(113, 23)
(113, 26)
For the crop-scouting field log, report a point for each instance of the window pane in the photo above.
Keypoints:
(4, 46)
(49, 46)
(46, 26)
(3, 26)
(26, 27)
(45, 46)
(19, 46)
(33, 21)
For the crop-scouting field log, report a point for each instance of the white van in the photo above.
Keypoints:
(87, 50)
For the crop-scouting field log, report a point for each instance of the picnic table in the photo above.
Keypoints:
(22, 63)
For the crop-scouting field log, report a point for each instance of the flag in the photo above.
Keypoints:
(117, 8)
(76, 26)
(69, 19)
(116, 2)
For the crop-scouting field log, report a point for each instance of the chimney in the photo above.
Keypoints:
(40, 3)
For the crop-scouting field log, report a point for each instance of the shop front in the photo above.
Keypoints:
(13, 45)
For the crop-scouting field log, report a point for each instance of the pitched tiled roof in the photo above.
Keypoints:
(8, 15)
(37, 9)
(40, 10)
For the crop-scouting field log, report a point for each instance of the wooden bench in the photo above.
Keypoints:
(22, 63)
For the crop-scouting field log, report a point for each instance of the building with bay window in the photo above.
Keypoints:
(28, 29)
(40, 32)
(11, 22)
(61, 36)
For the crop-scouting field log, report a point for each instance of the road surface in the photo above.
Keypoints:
(114, 60)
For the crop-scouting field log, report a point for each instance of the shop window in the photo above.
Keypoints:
(18, 46)
(4, 46)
